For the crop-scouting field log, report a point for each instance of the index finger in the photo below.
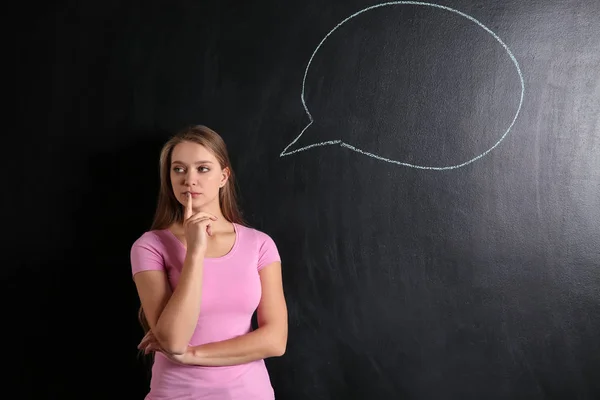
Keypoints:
(188, 206)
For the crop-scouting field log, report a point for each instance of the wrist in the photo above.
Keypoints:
(196, 256)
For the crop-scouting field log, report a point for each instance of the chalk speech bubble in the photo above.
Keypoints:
(341, 143)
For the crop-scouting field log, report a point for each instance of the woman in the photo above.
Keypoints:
(200, 274)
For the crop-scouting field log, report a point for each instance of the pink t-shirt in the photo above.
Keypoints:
(231, 292)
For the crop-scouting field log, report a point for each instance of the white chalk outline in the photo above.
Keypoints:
(330, 142)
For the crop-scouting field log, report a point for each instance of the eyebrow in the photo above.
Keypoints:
(196, 163)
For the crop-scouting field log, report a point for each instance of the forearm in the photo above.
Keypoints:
(256, 345)
(179, 317)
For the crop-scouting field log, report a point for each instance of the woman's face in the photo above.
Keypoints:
(194, 169)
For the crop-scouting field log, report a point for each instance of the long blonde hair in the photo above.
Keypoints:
(168, 209)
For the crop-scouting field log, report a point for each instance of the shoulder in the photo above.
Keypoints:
(264, 246)
(147, 252)
(154, 241)
(256, 235)
(148, 238)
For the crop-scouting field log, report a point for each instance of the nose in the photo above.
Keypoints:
(189, 179)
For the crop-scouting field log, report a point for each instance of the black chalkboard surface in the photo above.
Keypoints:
(430, 173)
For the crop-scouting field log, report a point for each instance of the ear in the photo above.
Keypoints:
(224, 176)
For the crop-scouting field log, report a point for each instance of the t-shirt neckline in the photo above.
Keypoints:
(223, 257)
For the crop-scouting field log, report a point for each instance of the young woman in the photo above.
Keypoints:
(200, 274)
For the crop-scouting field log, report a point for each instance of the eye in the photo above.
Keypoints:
(177, 169)
(203, 169)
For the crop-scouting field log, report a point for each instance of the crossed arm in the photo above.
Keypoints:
(269, 340)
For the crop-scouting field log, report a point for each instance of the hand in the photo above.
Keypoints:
(197, 228)
(149, 344)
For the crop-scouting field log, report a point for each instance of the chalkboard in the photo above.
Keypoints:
(430, 173)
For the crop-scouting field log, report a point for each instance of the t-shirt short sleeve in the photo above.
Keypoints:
(145, 254)
(268, 252)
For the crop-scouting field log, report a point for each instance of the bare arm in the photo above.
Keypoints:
(269, 340)
(172, 316)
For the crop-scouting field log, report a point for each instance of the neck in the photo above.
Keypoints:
(214, 209)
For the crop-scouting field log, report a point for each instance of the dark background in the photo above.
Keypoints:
(478, 282)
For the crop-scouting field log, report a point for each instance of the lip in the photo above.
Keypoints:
(194, 194)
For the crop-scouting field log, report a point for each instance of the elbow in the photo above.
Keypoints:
(278, 345)
(170, 345)
(279, 351)
(175, 350)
